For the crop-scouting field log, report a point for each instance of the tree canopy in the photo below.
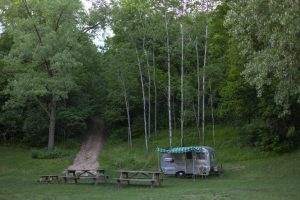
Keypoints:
(233, 61)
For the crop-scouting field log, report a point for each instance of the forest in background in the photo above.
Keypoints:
(167, 62)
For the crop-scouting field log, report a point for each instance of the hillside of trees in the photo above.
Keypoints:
(169, 64)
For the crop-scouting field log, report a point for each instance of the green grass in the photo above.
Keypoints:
(248, 173)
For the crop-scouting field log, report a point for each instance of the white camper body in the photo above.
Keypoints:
(193, 162)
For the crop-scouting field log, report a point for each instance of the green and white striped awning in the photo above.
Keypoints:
(181, 149)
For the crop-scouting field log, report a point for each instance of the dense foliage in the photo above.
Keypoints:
(49, 65)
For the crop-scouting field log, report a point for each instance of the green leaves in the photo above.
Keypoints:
(25, 86)
(268, 34)
(43, 51)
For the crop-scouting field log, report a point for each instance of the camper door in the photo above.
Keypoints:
(189, 163)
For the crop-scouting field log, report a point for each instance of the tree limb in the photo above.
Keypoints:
(39, 37)
(34, 25)
(85, 30)
(42, 106)
(59, 18)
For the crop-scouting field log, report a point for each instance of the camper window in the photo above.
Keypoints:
(212, 157)
(189, 155)
(201, 156)
(169, 160)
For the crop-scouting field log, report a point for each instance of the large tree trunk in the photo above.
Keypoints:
(52, 121)
(181, 88)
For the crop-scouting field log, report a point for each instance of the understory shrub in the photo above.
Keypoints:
(260, 135)
(47, 154)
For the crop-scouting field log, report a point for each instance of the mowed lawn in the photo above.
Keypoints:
(273, 177)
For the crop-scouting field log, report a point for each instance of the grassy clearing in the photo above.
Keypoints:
(248, 174)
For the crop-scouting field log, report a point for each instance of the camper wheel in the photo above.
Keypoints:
(180, 174)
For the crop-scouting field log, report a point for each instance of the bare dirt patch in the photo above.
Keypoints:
(88, 156)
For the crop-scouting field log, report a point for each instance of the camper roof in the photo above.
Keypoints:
(185, 149)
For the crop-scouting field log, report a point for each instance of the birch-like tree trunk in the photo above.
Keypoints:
(174, 113)
(155, 93)
(144, 99)
(149, 83)
(169, 79)
(181, 89)
(127, 109)
(195, 136)
(203, 75)
(198, 91)
(142, 17)
(212, 114)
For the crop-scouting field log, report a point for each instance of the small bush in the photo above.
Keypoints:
(260, 135)
(46, 154)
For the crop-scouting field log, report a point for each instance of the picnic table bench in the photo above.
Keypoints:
(139, 176)
(95, 175)
(49, 179)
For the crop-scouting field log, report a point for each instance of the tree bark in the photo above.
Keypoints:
(203, 76)
(181, 88)
(128, 120)
(144, 99)
(212, 114)
(149, 85)
(198, 92)
(127, 109)
(174, 113)
(142, 17)
(169, 81)
(52, 122)
(155, 94)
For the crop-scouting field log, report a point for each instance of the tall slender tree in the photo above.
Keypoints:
(169, 73)
(148, 72)
(181, 88)
(155, 92)
(128, 20)
(203, 73)
(198, 90)
(124, 90)
(144, 97)
(212, 113)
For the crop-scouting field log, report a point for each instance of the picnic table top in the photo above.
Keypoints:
(85, 170)
(83, 173)
(154, 177)
(139, 171)
(49, 176)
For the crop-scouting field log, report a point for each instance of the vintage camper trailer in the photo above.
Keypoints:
(182, 161)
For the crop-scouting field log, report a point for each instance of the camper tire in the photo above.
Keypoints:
(180, 174)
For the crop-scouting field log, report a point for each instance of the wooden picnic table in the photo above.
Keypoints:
(49, 179)
(152, 177)
(96, 175)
